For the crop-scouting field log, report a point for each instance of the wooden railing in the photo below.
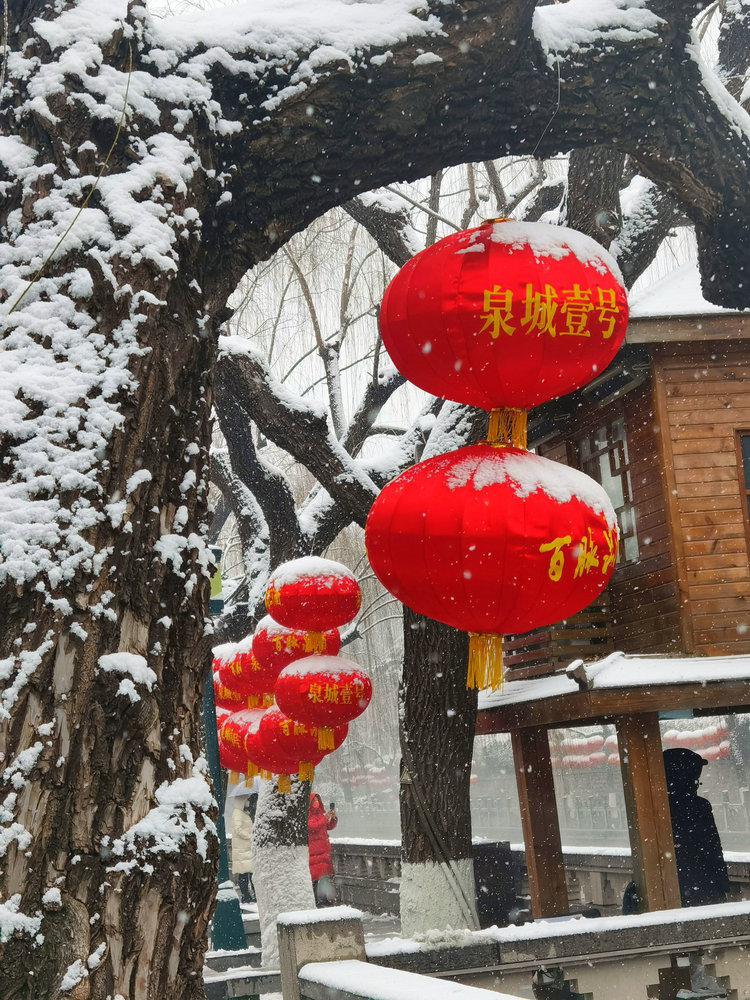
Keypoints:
(550, 649)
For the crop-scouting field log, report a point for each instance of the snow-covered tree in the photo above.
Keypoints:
(144, 166)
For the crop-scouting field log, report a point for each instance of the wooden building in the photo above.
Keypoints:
(666, 431)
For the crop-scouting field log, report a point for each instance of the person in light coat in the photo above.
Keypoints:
(242, 838)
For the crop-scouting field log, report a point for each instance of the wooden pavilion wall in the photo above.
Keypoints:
(702, 398)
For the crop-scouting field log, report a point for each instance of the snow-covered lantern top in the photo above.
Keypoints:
(313, 594)
(492, 541)
(509, 314)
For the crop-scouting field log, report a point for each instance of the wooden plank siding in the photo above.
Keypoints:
(704, 393)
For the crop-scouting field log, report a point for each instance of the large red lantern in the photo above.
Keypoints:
(509, 314)
(323, 691)
(312, 594)
(492, 541)
(275, 646)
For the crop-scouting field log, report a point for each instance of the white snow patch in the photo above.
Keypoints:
(132, 665)
(581, 24)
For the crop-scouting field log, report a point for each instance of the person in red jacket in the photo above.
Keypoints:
(319, 822)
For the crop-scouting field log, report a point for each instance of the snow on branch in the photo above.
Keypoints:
(300, 427)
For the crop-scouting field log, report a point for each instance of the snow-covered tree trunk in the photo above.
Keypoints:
(437, 715)
(281, 867)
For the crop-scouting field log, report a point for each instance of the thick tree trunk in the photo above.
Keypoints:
(437, 715)
(281, 868)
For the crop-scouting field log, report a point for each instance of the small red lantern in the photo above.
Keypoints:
(323, 691)
(228, 698)
(244, 675)
(492, 541)
(232, 737)
(296, 740)
(312, 594)
(275, 646)
(509, 314)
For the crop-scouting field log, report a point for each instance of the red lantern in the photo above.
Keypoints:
(228, 698)
(296, 740)
(492, 540)
(507, 314)
(275, 646)
(323, 691)
(245, 675)
(312, 594)
(232, 736)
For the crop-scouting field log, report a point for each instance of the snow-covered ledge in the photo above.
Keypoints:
(359, 981)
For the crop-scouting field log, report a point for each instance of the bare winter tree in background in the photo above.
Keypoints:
(144, 167)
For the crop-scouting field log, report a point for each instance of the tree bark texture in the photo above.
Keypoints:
(142, 172)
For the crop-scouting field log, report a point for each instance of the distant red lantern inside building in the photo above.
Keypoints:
(312, 594)
(323, 691)
(509, 314)
(492, 541)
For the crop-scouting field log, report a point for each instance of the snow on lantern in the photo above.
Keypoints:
(296, 740)
(314, 595)
(492, 540)
(323, 691)
(276, 646)
(510, 314)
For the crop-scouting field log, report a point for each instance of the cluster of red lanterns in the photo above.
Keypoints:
(711, 742)
(284, 697)
(491, 538)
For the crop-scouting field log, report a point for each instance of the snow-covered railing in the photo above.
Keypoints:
(353, 980)
(322, 957)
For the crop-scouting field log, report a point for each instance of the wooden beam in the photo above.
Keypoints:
(716, 697)
(541, 826)
(670, 495)
(647, 805)
(649, 330)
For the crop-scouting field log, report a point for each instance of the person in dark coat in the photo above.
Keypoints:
(319, 822)
(701, 868)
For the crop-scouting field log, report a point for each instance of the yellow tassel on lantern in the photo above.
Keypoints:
(507, 426)
(315, 642)
(306, 771)
(251, 770)
(266, 775)
(233, 778)
(485, 661)
(325, 738)
(284, 784)
(267, 700)
(252, 701)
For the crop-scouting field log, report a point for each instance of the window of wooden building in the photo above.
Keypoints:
(602, 453)
(743, 462)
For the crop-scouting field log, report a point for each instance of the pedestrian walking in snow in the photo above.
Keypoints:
(701, 868)
(319, 822)
(243, 815)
